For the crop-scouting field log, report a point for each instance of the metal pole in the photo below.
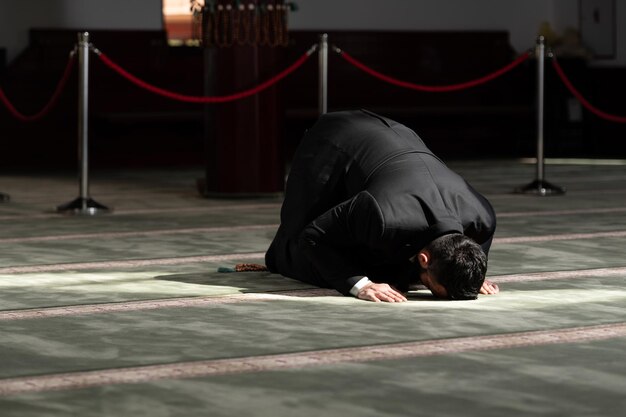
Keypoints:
(540, 52)
(323, 74)
(540, 186)
(83, 115)
(84, 204)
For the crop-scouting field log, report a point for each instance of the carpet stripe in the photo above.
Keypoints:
(247, 227)
(561, 212)
(116, 235)
(48, 312)
(257, 255)
(566, 236)
(152, 211)
(133, 263)
(545, 276)
(252, 364)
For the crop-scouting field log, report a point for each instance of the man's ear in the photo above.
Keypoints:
(423, 257)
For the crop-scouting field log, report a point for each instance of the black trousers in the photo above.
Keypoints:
(314, 186)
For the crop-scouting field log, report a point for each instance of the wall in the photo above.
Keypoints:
(565, 13)
(620, 35)
(17, 17)
(521, 19)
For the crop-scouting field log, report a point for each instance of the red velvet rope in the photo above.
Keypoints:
(203, 99)
(435, 89)
(583, 101)
(53, 100)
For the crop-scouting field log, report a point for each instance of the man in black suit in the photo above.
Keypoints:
(370, 211)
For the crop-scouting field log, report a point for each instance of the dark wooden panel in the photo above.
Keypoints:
(132, 127)
(475, 121)
(248, 135)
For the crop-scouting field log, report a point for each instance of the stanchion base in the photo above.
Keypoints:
(4, 198)
(83, 207)
(541, 188)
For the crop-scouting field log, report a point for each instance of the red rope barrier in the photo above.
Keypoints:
(435, 89)
(203, 99)
(583, 101)
(53, 100)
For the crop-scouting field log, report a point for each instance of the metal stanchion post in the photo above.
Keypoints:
(323, 74)
(83, 204)
(540, 186)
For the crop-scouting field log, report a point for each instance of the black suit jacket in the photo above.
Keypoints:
(364, 195)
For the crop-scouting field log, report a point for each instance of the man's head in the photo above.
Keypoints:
(453, 267)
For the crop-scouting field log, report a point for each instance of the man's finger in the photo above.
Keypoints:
(400, 296)
(398, 293)
(369, 296)
(383, 296)
(389, 297)
(375, 299)
(381, 293)
(493, 287)
(489, 288)
(395, 296)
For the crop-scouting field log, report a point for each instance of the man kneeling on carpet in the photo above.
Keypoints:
(370, 211)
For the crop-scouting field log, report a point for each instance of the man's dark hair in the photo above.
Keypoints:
(458, 264)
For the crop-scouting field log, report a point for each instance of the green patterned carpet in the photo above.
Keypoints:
(125, 314)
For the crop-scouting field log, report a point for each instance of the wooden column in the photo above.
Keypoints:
(243, 139)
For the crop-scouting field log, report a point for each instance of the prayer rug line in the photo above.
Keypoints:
(546, 276)
(153, 211)
(132, 263)
(184, 302)
(181, 302)
(564, 236)
(275, 206)
(116, 235)
(257, 255)
(317, 358)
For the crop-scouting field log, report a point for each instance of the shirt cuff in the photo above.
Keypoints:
(359, 285)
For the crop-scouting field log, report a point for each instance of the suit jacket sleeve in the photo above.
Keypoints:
(334, 241)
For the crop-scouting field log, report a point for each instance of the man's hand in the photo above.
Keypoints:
(381, 292)
(489, 288)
